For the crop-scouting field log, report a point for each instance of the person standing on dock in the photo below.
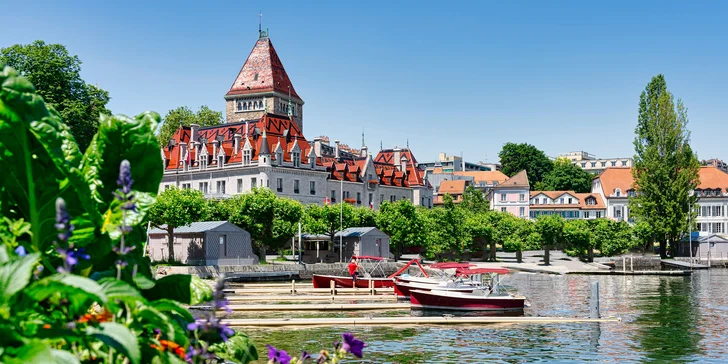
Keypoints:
(353, 269)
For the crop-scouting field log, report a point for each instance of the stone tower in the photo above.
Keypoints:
(262, 86)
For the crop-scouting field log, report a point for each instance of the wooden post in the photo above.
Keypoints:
(594, 301)
(631, 263)
(293, 287)
(371, 287)
(333, 288)
(624, 264)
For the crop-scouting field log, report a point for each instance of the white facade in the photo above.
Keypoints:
(616, 203)
(712, 215)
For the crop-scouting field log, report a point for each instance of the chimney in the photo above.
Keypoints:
(336, 149)
(403, 164)
(364, 151)
(214, 149)
(195, 134)
(182, 152)
(397, 155)
(237, 138)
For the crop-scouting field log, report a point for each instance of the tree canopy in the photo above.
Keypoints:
(56, 75)
(474, 201)
(665, 167)
(566, 176)
(176, 207)
(183, 115)
(517, 157)
(404, 224)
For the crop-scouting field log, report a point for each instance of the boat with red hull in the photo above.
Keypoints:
(402, 289)
(459, 301)
(364, 280)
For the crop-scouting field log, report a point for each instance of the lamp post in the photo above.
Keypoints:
(690, 235)
(300, 248)
(341, 223)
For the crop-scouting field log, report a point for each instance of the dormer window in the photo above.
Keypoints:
(296, 158)
(618, 192)
(591, 201)
(279, 158)
(220, 161)
(246, 157)
(203, 162)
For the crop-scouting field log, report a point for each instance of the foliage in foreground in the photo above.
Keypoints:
(75, 285)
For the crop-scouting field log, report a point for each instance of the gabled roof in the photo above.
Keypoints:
(520, 179)
(456, 187)
(616, 177)
(199, 227)
(484, 176)
(262, 72)
(712, 178)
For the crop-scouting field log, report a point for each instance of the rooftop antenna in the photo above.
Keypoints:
(381, 145)
(362, 137)
(407, 143)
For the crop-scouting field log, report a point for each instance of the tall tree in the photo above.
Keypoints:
(174, 208)
(270, 220)
(183, 115)
(364, 217)
(612, 237)
(447, 230)
(56, 76)
(577, 236)
(404, 224)
(566, 176)
(665, 167)
(517, 157)
(328, 219)
(474, 201)
(551, 228)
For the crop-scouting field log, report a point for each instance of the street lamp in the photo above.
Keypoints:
(341, 223)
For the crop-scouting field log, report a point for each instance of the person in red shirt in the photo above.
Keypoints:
(353, 267)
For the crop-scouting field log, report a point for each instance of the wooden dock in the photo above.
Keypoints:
(682, 265)
(634, 273)
(296, 290)
(304, 298)
(315, 307)
(409, 320)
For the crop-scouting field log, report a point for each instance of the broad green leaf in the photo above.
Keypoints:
(4, 258)
(119, 138)
(39, 159)
(63, 357)
(184, 288)
(165, 305)
(150, 317)
(34, 352)
(119, 337)
(238, 348)
(119, 290)
(66, 284)
(16, 275)
(114, 216)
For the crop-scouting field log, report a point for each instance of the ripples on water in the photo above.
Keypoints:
(665, 319)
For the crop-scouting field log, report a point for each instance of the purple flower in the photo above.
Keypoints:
(121, 263)
(63, 221)
(212, 326)
(221, 303)
(278, 356)
(352, 345)
(305, 356)
(192, 326)
(70, 257)
(21, 251)
(126, 250)
(71, 325)
(124, 182)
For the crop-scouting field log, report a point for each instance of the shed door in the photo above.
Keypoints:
(223, 245)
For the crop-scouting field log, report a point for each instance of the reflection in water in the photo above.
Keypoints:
(668, 323)
(664, 319)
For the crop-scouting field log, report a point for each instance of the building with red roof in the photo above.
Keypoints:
(262, 145)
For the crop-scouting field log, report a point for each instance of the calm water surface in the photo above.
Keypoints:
(665, 319)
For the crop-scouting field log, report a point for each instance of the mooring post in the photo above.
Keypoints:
(624, 264)
(333, 288)
(293, 287)
(631, 263)
(594, 304)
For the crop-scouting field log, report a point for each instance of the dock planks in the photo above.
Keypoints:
(315, 307)
(375, 321)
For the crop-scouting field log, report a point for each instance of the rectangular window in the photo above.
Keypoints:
(593, 164)
(604, 164)
(279, 184)
(253, 182)
(618, 212)
(312, 187)
(370, 199)
(333, 196)
(586, 214)
(561, 200)
(532, 214)
(614, 163)
(358, 198)
(221, 187)
(569, 200)
(624, 163)
(246, 157)
(186, 186)
(583, 165)
(296, 184)
(522, 197)
(223, 242)
(522, 212)
(240, 185)
(203, 187)
(391, 198)
(503, 197)
(296, 157)
(598, 214)
(381, 199)
(503, 209)
(166, 187)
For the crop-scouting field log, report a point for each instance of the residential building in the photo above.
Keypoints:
(484, 180)
(567, 204)
(452, 163)
(456, 189)
(592, 164)
(512, 195)
(717, 163)
(264, 146)
(615, 186)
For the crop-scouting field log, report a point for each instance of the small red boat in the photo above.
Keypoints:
(363, 281)
(447, 300)
(402, 289)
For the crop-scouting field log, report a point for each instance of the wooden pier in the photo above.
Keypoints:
(304, 298)
(315, 307)
(682, 265)
(634, 273)
(389, 321)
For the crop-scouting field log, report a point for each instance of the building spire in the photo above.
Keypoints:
(381, 145)
(290, 107)
(362, 138)
(260, 23)
(407, 143)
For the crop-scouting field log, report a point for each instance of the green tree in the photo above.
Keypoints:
(612, 237)
(174, 208)
(183, 115)
(577, 236)
(566, 176)
(328, 219)
(404, 224)
(364, 217)
(474, 201)
(644, 236)
(665, 167)
(517, 157)
(270, 220)
(480, 228)
(551, 228)
(56, 76)
(447, 230)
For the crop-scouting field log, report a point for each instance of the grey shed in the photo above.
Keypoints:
(204, 243)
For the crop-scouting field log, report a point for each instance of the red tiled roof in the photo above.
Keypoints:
(712, 178)
(484, 176)
(616, 177)
(520, 179)
(456, 187)
(262, 72)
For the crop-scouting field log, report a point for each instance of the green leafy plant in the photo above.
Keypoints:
(75, 284)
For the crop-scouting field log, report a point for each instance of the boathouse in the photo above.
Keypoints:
(204, 243)
(715, 245)
(369, 241)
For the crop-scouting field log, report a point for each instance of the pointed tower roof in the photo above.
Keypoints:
(262, 72)
(264, 148)
(520, 179)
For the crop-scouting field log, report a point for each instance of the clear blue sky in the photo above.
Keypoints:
(449, 76)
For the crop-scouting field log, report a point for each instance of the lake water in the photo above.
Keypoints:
(664, 319)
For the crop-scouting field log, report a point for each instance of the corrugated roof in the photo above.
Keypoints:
(195, 227)
(354, 232)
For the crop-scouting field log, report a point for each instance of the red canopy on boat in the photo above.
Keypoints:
(467, 272)
(366, 257)
(450, 265)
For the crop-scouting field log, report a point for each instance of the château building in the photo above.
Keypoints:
(262, 144)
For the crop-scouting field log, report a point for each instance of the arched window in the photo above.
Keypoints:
(240, 106)
(255, 105)
(250, 105)
(618, 192)
(245, 106)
